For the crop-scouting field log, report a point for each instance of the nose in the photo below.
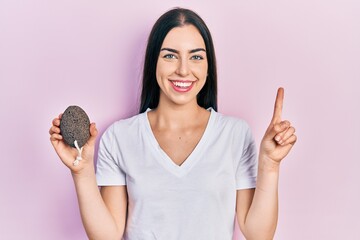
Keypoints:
(182, 68)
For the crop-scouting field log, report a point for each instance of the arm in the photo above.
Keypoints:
(257, 209)
(104, 214)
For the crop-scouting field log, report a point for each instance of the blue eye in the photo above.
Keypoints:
(197, 57)
(170, 56)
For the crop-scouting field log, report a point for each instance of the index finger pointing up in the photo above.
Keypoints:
(278, 106)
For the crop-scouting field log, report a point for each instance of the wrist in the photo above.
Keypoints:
(85, 171)
(267, 164)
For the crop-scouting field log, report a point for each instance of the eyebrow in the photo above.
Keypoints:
(176, 51)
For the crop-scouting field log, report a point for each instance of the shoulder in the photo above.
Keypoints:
(233, 130)
(223, 121)
(129, 123)
(125, 126)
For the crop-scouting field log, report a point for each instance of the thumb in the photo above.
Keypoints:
(93, 134)
(274, 129)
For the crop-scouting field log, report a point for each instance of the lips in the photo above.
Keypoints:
(182, 85)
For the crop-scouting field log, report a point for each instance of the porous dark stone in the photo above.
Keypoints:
(75, 125)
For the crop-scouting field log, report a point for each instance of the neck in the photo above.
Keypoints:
(170, 115)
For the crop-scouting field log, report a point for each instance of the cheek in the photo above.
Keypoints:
(159, 71)
(163, 69)
(200, 71)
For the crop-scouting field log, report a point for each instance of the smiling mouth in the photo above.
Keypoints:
(182, 86)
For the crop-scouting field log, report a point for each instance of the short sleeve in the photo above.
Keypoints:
(246, 169)
(108, 171)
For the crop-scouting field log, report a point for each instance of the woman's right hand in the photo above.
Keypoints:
(68, 154)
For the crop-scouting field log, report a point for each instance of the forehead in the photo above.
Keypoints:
(184, 38)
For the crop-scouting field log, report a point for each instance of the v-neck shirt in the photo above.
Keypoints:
(195, 200)
(166, 161)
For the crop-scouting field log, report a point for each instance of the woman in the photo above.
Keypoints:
(179, 169)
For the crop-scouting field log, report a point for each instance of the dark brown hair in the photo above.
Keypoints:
(176, 17)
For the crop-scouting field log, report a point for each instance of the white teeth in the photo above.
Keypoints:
(182, 84)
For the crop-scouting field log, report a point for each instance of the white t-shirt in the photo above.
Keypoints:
(169, 202)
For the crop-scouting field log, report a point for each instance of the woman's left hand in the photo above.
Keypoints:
(279, 137)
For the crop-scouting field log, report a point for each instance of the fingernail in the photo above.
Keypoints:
(277, 138)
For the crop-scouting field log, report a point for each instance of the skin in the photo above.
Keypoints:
(257, 209)
(179, 123)
(107, 206)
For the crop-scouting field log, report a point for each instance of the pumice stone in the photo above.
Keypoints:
(75, 125)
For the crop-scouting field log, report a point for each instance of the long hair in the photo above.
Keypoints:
(176, 17)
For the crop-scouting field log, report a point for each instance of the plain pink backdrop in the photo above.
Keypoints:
(89, 53)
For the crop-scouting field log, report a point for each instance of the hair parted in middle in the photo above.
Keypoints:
(176, 17)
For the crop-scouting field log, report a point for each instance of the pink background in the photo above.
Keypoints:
(89, 53)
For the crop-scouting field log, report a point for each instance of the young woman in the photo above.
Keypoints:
(179, 170)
